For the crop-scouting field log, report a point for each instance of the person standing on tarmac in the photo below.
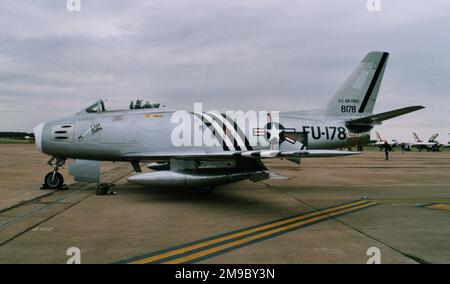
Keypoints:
(386, 148)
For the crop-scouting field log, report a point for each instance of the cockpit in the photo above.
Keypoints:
(139, 104)
(99, 106)
(112, 105)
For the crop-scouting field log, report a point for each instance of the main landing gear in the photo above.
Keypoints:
(54, 180)
(103, 189)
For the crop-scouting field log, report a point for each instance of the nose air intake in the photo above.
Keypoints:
(38, 136)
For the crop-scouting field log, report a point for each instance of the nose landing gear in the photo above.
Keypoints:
(54, 180)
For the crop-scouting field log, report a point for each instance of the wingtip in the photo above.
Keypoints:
(350, 153)
(415, 108)
(329, 153)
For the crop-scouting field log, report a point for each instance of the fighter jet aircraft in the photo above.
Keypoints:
(151, 132)
(446, 145)
(380, 142)
(28, 138)
(430, 145)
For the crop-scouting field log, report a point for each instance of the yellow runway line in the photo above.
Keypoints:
(261, 235)
(440, 206)
(242, 233)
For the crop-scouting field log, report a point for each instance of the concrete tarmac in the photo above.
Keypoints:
(328, 210)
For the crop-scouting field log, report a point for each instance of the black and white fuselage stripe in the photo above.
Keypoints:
(217, 131)
(226, 131)
(239, 132)
(230, 131)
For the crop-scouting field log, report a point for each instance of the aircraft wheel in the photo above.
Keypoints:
(204, 190)
(53, 180)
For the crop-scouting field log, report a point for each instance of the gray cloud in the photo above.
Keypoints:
(242, 54)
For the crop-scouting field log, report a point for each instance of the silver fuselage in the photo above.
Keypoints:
(149, 130)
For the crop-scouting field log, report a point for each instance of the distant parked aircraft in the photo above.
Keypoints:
(446, 145)
(380, 142)
(430, 145)
(29, 138)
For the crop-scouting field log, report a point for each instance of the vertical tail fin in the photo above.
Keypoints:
(416, 138)
(433, 137)
(359, 92)
(378, 136)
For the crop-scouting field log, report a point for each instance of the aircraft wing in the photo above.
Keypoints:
(378, 118)
(209, 169)
(261, 154)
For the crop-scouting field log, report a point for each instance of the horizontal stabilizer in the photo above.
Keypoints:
(378, 118)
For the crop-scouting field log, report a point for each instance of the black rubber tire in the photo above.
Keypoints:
(204, 190)
(54, 180)
(102, 190)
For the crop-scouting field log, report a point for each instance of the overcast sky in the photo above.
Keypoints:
(230, 55)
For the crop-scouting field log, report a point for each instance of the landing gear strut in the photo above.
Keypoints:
(54, 180)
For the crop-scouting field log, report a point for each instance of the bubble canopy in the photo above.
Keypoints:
(108, 105)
